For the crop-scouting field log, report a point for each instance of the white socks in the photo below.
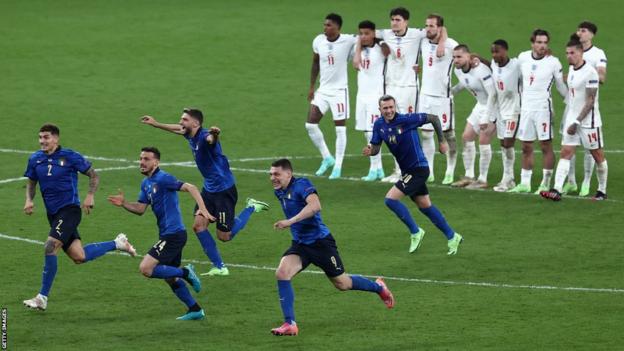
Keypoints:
(588, 166)
(375, 161)
(563, 167)
(508, 163)
(601, 171)
(547, 174)
(572, 171)
(451, 156)
(341, 145)
(525, 177)
(468, 155)
(316, 135)
(428, 146)
(485, 157)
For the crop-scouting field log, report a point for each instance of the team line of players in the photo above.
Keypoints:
(513, 99)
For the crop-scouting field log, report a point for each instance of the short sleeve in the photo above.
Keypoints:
(305, 188)
(30, 172)
(593, 81)
(376, 138)
(558, 68)
(315, 46)
(170, 182)
(602, 60)
(143, 198)
(79, 163)
(379, 34)
(416, 119)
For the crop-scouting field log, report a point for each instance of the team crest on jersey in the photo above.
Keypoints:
(500, 70)
(534, 67)
(467, 81)
(330, 46)
(571, 77)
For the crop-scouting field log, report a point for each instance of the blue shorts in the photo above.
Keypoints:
(323, 253)
(168, 250)
(221, 205)
(64, 225)
(414, 182)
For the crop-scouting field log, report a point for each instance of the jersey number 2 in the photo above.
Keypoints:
(49, 170)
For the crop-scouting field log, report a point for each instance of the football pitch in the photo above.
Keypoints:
(530, 274)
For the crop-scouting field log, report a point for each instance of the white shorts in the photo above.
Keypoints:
(478, 116)
(590, 138)
(337, 101)
(535, 125)
(507, 127)
(439, 106)
(366, 112)
(405, 98)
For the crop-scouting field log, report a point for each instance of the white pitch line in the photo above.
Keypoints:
(402, 279)
(99, 158)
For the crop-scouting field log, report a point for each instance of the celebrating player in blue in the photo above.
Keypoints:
(56, 169)
(219, 190)
(159, 189)
(400, 133)
(311, 243)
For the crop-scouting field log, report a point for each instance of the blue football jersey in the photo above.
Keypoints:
(211, 161)
(401, 137)
(293, 200)
(161, 192)
(57, 175)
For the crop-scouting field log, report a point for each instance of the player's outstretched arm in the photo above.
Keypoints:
(94, 181)
(213, 135)
(314, 72)
(31, 189)
(173, 128)
(134, 207)
(313, 205)
(437, 127)
(192, 189)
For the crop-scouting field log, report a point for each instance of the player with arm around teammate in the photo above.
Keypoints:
(478, 81)
(159, 189)
(56, 170)
(312, 243)
(400, 133)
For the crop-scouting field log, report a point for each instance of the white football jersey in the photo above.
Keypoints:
(579, 80)
(507, 82)
(595, 57)
(333, 59)
(436, 71)
(371, 74)
(537, 80)
(478, 81)
(404, 52)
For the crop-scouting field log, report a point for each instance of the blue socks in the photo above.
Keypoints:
(361, 283)
(287, 300)
(183, 293)
(403, 213)
(95, 250)
(49, 272)
(163, 272)
(241, 220)
(437, 218)
(210, 248)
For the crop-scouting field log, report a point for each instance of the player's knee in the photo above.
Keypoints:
(341, 285)
(224, 236)
(282, 274)
(79, 258)
(146, 270)
(199, 227)
(50, 247)
(527, 148)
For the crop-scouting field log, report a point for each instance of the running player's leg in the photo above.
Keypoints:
(200, 227)
(291, 263)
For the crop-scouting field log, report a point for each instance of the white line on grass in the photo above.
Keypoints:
(402, 279)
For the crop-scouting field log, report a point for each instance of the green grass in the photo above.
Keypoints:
(95, 67)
